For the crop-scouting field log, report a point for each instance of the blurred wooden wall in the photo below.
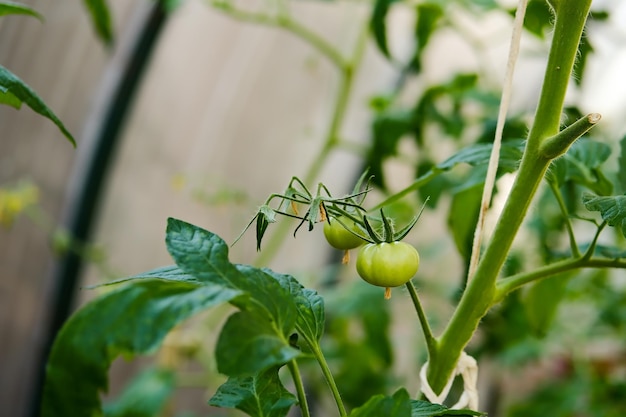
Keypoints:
(225, 106)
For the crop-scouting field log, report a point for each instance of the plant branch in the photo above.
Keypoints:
(568, 223)
(297, 380)
(509, 284)
(286, 22)
(431, 342)
(479, 294)
(319, 356)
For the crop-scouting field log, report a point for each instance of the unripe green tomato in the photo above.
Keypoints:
(339, 237)
(387, 264)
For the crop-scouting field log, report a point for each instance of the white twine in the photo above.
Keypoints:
(468, 369)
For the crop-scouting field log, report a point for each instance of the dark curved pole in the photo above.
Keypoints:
(83, 208)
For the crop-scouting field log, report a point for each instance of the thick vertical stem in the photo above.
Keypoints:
(479, 295)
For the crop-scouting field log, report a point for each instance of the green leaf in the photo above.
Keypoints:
(18, 89)
(267, 297)
(542, 301)
(9, 99)
(201, 254)
(581, 165)
(478, 154)
(538, 18)
(462, 219)
(378, 24)
(261, 395)
(612, 209)
(425, 409)
(250, 343)
(101, 18)
(9, 7)
(145, 396)
(166, 273)
(428, 16)
(132, 319)
(621, 172)
(309, 304)
(398, 405)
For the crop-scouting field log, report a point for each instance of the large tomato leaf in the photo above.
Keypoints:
(260, 395)
(132, 319)
(250, 343)
(581, 165)
(398, 405)
(309, 304)
(612, 209)
(12, 88)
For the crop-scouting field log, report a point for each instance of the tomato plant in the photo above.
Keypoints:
(275, 327)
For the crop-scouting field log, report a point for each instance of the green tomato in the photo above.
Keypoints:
(387, 264)
(339, 237)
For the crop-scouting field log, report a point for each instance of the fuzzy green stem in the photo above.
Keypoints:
(431, 342)
(319, 356)
(480, 293)
(297, 381)
(507, 285)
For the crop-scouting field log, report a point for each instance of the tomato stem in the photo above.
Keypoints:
(481, 293)
(431, 341)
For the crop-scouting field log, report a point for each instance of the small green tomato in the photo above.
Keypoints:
(387, 264)
(339, 237)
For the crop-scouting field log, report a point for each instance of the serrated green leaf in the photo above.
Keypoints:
(10, 7)
(581, 165)
(261, 395)
(132, 319)
(267, 297)
(542, 301)
(398, 405)
(201, 254)
(425, 409)
(249, 343)
(145, 396)
(100, 18)
(479, 154)
(12, 84)
(166, 273)
(309, 304)
(612, 209)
